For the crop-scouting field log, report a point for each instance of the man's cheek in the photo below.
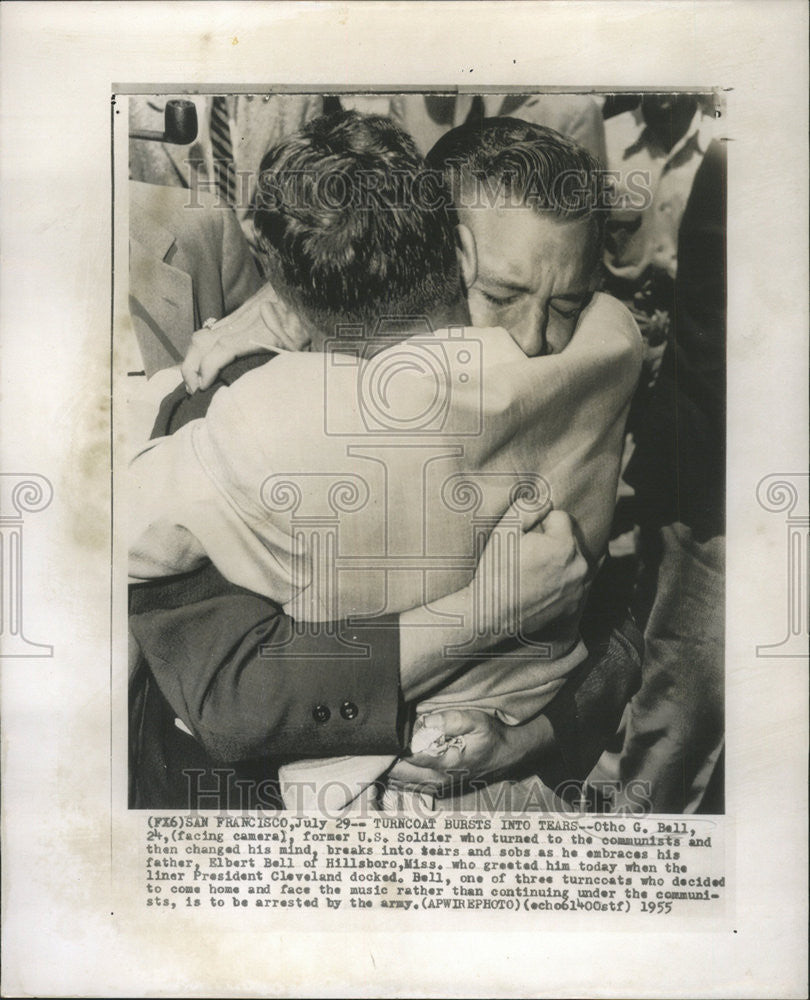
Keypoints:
(481, 312)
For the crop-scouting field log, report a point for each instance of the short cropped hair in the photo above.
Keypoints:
(354, 225)
(530, 164)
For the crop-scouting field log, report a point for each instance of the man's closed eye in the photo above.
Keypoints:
(568, 308)
(499, 300)
(566, 312)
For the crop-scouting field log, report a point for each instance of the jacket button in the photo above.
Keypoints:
(321, 713)
(348, 710)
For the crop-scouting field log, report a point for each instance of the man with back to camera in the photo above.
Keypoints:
(193, 660)
(558, 299)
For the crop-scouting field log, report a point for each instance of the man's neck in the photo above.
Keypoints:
(392, 330)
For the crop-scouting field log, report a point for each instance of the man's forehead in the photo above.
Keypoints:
(518, 240)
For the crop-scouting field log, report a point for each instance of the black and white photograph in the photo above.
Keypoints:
(452, 535)
(404, 498)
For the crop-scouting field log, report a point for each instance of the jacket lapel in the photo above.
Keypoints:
(161, 296)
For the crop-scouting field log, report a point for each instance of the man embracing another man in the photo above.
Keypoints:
(410, 411)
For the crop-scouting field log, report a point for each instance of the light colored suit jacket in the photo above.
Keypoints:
(188, 261)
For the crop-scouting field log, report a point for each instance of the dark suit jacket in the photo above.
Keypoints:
(678, 467)
(231, 667)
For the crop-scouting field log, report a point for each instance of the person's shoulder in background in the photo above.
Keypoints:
(189, 262)
(577, 116)
(622, 132)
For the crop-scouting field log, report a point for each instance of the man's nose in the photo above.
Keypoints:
(531, 334)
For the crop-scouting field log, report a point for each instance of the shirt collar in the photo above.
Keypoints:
(699, 132)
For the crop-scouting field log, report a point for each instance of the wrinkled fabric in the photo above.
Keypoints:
(673, 727)
(404, 481)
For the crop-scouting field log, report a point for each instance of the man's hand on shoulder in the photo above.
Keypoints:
(261, 323)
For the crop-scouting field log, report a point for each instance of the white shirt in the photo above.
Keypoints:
(652, 186)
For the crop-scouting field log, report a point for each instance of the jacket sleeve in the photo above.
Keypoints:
(249, 683)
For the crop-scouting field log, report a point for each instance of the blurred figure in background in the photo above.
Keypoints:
(193, 255)
(235, 131)
(654, 149)
(186, 264)
(673, 729)
(428, 116)
(653, 152)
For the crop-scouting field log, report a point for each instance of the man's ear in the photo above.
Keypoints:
(467, 256)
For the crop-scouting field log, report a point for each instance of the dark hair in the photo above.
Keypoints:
(354, 224)
(530, 164)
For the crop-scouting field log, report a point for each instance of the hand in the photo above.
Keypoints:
(261, 323)
(482, 743)
(547, 583)
(502, 599)
(491, 750)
